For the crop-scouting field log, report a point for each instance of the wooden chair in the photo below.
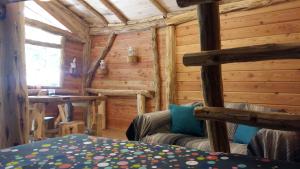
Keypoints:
(65, 126)
(38, 121)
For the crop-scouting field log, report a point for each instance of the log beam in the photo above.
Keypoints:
(243, 54)
(14, 115)
(110, 92)
(130, 27)
(170, 65)
(44, 44)
(93, 11)
(96, 63)
(115, 10)
(52, 29)
(32, 92)
(66, 17)
(209, 21)
(156, 71)
(162, 9)
(272, 120)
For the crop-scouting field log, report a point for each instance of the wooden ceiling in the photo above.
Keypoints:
(100, 13)
(91, 17)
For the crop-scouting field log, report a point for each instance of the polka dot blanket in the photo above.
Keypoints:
(87, 152)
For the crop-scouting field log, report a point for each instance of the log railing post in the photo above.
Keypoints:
(209, 21)
(141, 104)
(102, 113)
(170, 65)
(14, 116)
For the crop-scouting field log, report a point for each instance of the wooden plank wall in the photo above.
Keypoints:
(270, 83)
(73, 50)
(123, 75)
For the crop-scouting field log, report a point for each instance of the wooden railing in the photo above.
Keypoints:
(139, 94)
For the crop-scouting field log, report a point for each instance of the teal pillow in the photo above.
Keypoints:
(183, 121)
(244, 134)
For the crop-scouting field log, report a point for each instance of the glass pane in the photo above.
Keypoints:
(43, 66)
(33, 11)
(36, 34)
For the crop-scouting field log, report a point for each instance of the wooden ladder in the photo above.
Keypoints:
(211, 58)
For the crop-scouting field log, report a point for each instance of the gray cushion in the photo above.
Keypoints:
(190, 142)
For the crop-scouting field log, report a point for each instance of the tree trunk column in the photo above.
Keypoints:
(14, 117)
(209, 22)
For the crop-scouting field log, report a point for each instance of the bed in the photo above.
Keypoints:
(82, 151)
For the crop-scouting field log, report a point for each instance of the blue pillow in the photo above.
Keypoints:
(244, 134)
(183, 121)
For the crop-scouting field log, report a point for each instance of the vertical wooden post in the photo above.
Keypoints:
(14, 116)
(209, 21)
(170, 65)
(102, 112)
(156, 71)
(85, 60)
(141, 104)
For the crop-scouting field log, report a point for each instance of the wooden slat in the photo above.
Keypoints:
(243, 54)
(255, 87)
(248, 76)
(273, 120)
(248, 97)
(243, 5)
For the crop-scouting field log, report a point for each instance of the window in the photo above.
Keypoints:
(43, 53)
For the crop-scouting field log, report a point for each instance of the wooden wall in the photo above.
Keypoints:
(270, 83)
(72, 50)
(123, 75)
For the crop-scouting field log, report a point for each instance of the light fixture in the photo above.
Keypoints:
(132, 56)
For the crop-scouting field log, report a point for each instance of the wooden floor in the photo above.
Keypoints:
(115, 134)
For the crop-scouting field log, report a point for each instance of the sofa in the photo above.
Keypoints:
(154, 128)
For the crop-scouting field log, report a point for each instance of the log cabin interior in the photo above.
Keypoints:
(150, 84)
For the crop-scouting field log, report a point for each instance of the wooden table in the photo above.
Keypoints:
(97, 105)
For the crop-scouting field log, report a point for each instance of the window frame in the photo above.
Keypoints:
(60, 46)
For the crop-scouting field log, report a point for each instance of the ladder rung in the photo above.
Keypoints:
(243, 54)
(272, 120)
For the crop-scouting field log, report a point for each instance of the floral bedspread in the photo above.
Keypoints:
(82, 151)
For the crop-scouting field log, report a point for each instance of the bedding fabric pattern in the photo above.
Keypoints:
(82, 151)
